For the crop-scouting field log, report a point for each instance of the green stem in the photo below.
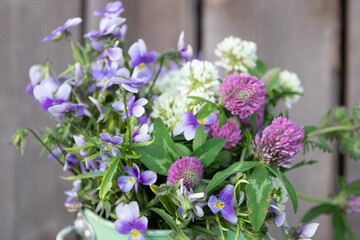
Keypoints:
(220, 227)
(238, 230)
(87, 138)
(325, 130)
(162, 58)
(314, 200)
(127, 117)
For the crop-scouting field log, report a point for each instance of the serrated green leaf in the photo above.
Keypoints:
(219, 177)
(163, 139)
(340, 114)
(308, 129)
(258, 192)
(155, 158)
(206, 110)
(93, 174)
(356, 112)
(108, 177)
(208, 151)
(325, 120)
(182, 150)
(200, 137)
(316, 211)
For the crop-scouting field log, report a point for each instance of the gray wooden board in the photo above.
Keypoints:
(302, 37)
(31, 191)
(353, 88)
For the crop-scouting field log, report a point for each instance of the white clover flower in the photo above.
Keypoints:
(279, 193)
(199, 77)
(169, 83)
(291, 83)
(236, 55)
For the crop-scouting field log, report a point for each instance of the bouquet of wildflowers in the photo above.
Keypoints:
(170, 141)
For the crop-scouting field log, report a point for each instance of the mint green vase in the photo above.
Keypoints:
(105, 230)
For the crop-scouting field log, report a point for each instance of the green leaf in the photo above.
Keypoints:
(208, 151)
(142, 144)
(342, 182)
(93, 174)
(92, 157)
(78, 57)
(339, 225)
(340, 114)
(289, 188)
(308, 129)
(206, 110)
(258, 193)
(109, 175)
(200, 137)
(261, 67)
(200, 99)
(325, 120)
(353, 188)
(182, 150)
(202, 230)
(219, 177)
(316, 211)
(163, 139)
(155, 158)
(356, 112)
(222, 117)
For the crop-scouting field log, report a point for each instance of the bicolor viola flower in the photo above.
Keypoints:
(129, 221)
(189, 124)
(224, 204)
(135, 109)
(126, 183)
(185, 53)
(44, 92)
(35, 75)
(141, 134)
(107, 25)
(138, 54)
(111, 9)
(140, 76)
(57, 33)
(100, 109)
(70, 161)
(305, 232)
(97, 164)
(110, 146)
(63, 108)
(114, 54)
(276, 214)
(103, 74)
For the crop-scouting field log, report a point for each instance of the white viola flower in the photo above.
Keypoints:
(199, 76)
(236, 55)
(291, 83)
(279, 193)
(169, 83)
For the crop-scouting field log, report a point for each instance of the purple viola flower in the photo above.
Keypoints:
(73, 194)
(63, 108)
(126, 183)
(129, 221)
(103, 74)
(35, 75)
(307, 231)
(141, 134)
(276, 214)
(114, 54)
(224, 204)
(44, 92)
(110, 147)
(57, 33)
(138, 53)
(100, 109)
(140, 76)
(135, 109)
(70, 161)
(111, 9)
(185, 53)
(107, 25)
(189, 124)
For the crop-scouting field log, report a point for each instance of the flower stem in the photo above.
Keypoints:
(127, 116)
(238, 230)
(325, 130)
(314, 200)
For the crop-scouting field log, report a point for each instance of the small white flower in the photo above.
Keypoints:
(279, 193)
(169, 83)
(236, 55)
(291, 83)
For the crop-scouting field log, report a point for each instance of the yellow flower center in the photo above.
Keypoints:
(141, 67)
(123, 109)
(219, 204)
(201, 121)
(132, 180)
(109, 148)
(105, 80)
(135, 233)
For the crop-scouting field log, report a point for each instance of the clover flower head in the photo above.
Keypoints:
(230, 131)
(242, 94)
(189, 169)
(279, 142)
(291, 83)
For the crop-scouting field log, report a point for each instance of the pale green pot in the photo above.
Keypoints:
(105, 230)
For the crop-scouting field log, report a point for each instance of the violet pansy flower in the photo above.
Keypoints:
(140, 76)
(138, 53)
(114, 53)
(110, 146)
(276, 214)
(185, 53)
(100, 109)
(73, 194)
(129, 221)
(104, 74)
(141, 134)
(126, 183)
(57, 33)
(63, 108)
(70, 161)
(224, 204)
(307, 231)
(79, 141)
(189, 124)
(135, 109)
(111, 9)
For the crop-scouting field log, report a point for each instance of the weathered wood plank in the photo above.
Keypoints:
(301, 36)
(31, 190)
(353, 87)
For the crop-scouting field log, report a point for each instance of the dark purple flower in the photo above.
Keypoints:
(189, 124)
(224, 204)
(135, 109)
(140, 76)
(111, 9)
(138, 53)
(57, 33)
(100, 109)
(70, 161)
(141, 134)
(242, 94)
(128, 221)
(185, 53)
(110, 147)
(276, 214)
(188, 169)
(230, 131)
(279, 142)
(126, 183)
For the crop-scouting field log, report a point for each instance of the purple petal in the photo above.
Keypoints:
(137, 111)
(125, 184)
(280, 219)
(150, 57)
(119, 105)
(142, 47)
(212, 204)
(210, 119)
(129, 88)
(105, 137)
(147, 178)
(79, 110)
(141, 102)
(181, 44)
(30, 89)
(189, 132)
(136, 171)
(130, 171)
(128, 212)
(64, 91)
(179, 128)
(227, 194)
(131, 101)
(189, 118)
(141, 224)
(309, 229)
(115, 54)
(116, 140)
(78, 72)
(123, 227)
(229, 213)
(98, 106)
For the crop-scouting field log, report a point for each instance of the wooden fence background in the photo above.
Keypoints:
(318, 39)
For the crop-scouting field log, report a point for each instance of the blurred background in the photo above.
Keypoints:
(317, 39)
